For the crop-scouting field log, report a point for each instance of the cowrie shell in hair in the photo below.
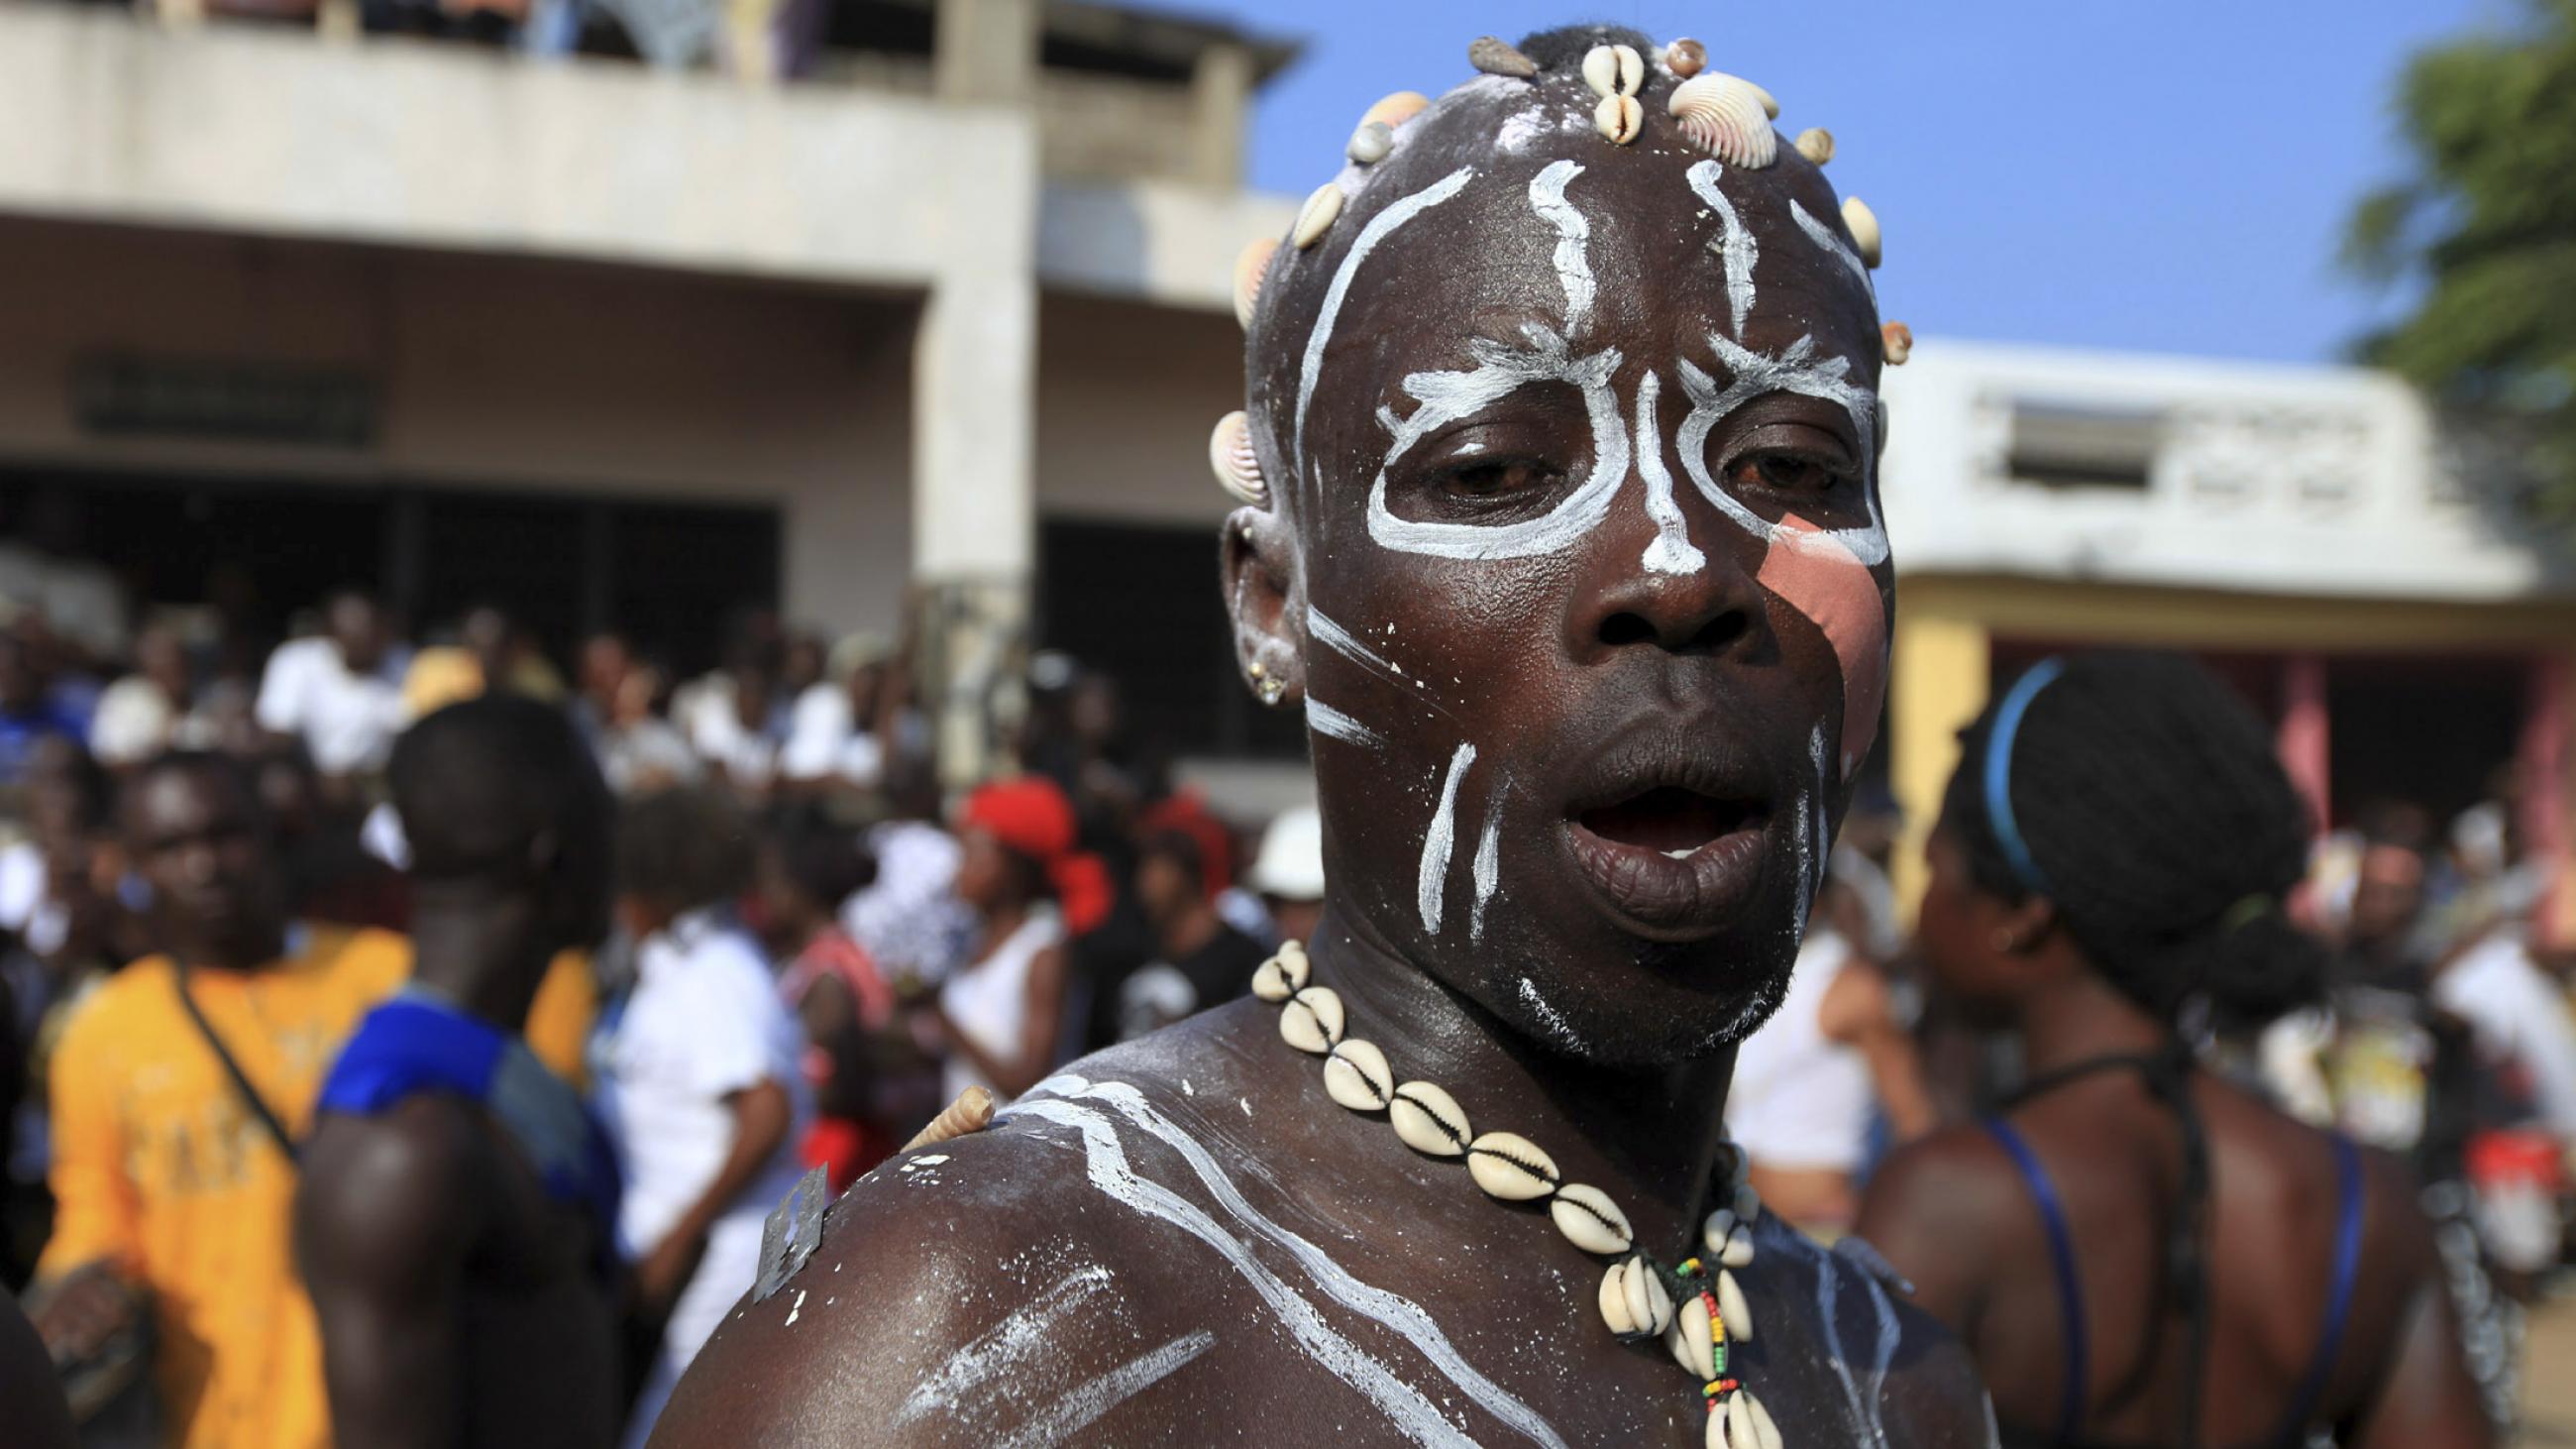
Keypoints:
(1494, 56)
(1726, 116)
(1862, 223)
(1590, 1220)
(1279, 978)
(1312, 1020)
(1613, 70)
(1511, 1167)
(1251, 265)
(1396, 109)
(1322, 209)
(1428, 1120)
(1357, 1076)
(1685, 58)
(1370, 143)
(1816, 144)
(1230, 454)
(1620, 118)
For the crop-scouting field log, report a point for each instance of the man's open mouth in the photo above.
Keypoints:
(1671, 820)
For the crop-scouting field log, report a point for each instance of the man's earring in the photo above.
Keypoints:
(1265, 684)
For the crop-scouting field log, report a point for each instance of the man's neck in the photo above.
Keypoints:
(1661, 1127)
(484, 953)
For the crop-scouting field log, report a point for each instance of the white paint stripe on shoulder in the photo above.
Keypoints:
(1573, 234)
(1333, 724)
(1406, 1317)
(1437, 840)
(1076, 1408)
(1736, 249)
(1105, 1162)
(1396, 214)
(1010, 1344)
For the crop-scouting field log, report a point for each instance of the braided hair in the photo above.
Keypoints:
(2149, 808)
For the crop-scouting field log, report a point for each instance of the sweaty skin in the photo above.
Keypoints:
(1184, 1239)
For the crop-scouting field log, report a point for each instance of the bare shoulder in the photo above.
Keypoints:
(378, 1194)
(961, 1291)
(1879, 1369)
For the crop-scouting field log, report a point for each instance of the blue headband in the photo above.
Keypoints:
(1999, 743)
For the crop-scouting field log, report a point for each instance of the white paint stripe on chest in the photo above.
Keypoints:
(1573, 236)
(1311, 366)
(1333, 724)
(1076, 1408)
(1008, 1345)
(1671, 551)
(1437, 842)
(1393, 1310)
(1736, 249)
(1105, 1163)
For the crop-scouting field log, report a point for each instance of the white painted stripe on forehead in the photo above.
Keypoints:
(1735, 247)
(1376, 231)
(1823, 236)
(1333, 724)
(1671, 551)
(1573, 234)
(1433, 884)
(1755, 374)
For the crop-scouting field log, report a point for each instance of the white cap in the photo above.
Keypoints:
(1291, 863)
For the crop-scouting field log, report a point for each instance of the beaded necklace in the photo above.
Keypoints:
(1697, 1307)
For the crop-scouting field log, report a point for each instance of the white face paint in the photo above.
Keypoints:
(1396, 215)
(1735, 247)
(1333, 724)
(1797, 370)
(1823, 236)
(1500, 371)
(1573, 232)
(1671, 552)
(1488, 869)
(1433, 884)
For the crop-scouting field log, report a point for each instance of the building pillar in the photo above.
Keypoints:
(1943, 669)
(2546, 762)
(985, 51)
(2305, 739)
(1220, 101)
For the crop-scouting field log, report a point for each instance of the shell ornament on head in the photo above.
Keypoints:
(1230, 454)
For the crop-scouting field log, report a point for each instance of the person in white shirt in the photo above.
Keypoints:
(340, 693)
(2520, 1020)
(698, 1076)
(151, 710)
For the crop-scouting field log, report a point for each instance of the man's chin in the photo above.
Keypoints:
(1643, 1016)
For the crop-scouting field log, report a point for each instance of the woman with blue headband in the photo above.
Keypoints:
(2136, 1252)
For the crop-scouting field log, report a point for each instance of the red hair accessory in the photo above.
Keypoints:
(1031, 816)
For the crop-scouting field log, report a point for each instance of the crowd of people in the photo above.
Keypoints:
(252, 903)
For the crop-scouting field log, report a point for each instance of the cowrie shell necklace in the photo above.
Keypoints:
(1697, 1308)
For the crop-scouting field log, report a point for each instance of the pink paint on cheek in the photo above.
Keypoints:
(1824, 580)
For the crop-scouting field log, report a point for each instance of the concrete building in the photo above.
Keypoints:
(619, 345)
(2303, 529)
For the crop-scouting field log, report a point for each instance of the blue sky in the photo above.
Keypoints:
(2168, 177)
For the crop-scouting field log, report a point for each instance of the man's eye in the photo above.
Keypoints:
(1495, 479)
(1782, 473)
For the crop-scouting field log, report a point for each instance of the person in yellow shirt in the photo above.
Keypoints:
(168, 1174)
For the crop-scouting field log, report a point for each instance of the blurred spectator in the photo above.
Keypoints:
(179, 1089)
(153, 709)
(736, 720)
(846, 724)
(999, 1015)
(638, 751)
(1201, 961)
(1809, 1083)
(606, 660)
(807, 868)
(910, 920)
(46, 572)
(698, 1077)
(31, 709)
(339, 694)
(459, 1202)
(1289, 872)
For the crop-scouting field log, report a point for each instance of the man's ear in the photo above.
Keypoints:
(1264, 590)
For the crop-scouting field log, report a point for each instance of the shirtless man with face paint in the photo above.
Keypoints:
(1561, 527)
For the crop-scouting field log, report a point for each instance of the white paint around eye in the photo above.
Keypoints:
(1573, 235)
(1500, 370)
(1736, 249)
(1671, 551)
(1395, 215)
(1823, 236)
(1488, 869)
(1333, 724)
(1433, 884)
(1754, 375)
